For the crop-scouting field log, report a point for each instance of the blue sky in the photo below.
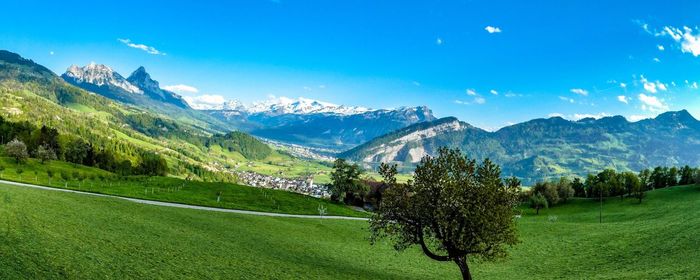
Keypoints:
(489, 63)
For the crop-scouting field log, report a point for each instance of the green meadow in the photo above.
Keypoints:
(54, 235)
(169, 189)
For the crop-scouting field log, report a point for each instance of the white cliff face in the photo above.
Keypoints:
(100, 75)
(389, 151)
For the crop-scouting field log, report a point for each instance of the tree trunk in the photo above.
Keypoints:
(538, 210)
(463, 267)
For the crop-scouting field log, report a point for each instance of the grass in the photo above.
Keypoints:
(657, 239)
(74, 236)
(169, 189)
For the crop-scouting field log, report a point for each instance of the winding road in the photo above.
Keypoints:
(186, 206)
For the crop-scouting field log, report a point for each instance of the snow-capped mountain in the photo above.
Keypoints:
(317, 124)
(150, 87)
(99, 75)
(282, 106)
(139, 89)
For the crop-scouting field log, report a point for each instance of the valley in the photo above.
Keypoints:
(349, 140)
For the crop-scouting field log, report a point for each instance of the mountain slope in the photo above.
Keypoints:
(31, 93)
(544, 148)
(141, 79)
(318, 124)
(141, 91)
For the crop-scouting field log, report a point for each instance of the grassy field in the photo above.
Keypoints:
(46, 235)
(233, 196)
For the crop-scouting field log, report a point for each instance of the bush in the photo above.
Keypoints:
(538, 201)
(17, 149)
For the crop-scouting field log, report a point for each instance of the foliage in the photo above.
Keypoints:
(249, 146)
(453, 209)
(45, 153)
(345, 182)
(538, 201)
(17, 150)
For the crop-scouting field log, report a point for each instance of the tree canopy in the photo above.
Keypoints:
(453, 209)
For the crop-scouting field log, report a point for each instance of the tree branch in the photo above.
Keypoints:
(427, 251)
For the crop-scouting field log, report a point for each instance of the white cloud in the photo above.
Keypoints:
(181, 88)
(623, 99)
(656, 59)
(439, 41)
(653, 87)
(660, 47)
(471, 92)
(494, 92)
(148, 49)
(204, 101)
(51, 52)
(477, 100)
(686, 37)
(570, 100)
(694, 85)
(492, 29)
(636, 118)
(579, 91)
(595, 116)
(652, 103)
(321, 86)
(623, 85)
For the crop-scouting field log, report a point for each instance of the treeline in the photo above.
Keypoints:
(248, 146)
(609, 183)
(24, 140)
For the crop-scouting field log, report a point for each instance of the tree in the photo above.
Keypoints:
(154, 165)
(77, 151)
(564, 189)
(438, 211)
(45, 153)
(65, 176)
(19, 172)
(388, 173)
(672, 177)
(18, 150)
(645, 179)
(658, 177)
(548, 190)
(537, 202)
(345, 181)
(686, 175)
(579, 187)
(636, 187)
(631, 182)
(49, 173)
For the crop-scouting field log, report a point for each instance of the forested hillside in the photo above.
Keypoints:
(548, 148)
(37, 104)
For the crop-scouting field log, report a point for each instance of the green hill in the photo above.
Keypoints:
(543, 149)
(77, 236)
(32, 94)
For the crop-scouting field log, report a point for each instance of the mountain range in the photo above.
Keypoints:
(547, 148)
(317, 124)
(299, 121)
(146, 116)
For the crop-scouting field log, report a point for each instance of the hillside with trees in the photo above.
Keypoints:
(544, 149)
